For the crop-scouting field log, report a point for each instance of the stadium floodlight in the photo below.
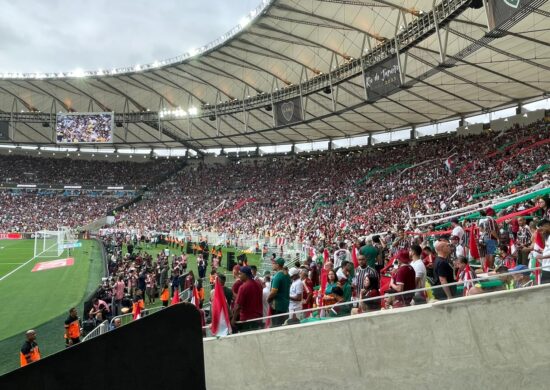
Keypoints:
(77, 73)
(137, 68)
(193, 111)
(245, 20)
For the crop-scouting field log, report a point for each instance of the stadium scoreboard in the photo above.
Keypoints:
(91, 127)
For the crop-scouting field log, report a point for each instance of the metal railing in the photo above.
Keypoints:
(97, 331)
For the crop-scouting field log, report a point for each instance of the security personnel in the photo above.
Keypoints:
(72, 328)
(29, 351)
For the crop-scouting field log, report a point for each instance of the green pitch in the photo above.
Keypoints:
(40, 300)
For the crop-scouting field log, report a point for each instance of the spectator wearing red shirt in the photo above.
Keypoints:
(248, 305)
(307, 300)
(404, 279)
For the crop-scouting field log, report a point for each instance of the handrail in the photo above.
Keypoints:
(97, 331)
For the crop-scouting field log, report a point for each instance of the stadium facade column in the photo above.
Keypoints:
(293, 149)
(330, 145)
(413, 132)
(369, 143)
(519, 108)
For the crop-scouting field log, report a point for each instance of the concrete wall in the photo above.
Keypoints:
(497, 340)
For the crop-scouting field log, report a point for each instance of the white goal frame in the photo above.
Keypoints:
(48, 243)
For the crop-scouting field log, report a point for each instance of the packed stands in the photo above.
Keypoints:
(69, 171)
(345, 194)
(30, 211)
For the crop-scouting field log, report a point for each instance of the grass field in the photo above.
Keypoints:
(40, 300)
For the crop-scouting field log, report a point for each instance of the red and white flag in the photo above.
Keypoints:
(538, 247)
(468, 284)
(137, 311)
(220, 325)
(513, 248)
(449, 165)
(354, 251)
(176, 297)
(473, 249)
(280, 241)
(326, 256)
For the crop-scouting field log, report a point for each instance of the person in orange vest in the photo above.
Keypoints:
(72, 328)
(165, 294)
(29, 351)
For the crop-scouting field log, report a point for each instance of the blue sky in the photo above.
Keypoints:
(63, 35)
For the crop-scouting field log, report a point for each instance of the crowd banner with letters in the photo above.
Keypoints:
(288, 112)
(382, 79)
(500, 11)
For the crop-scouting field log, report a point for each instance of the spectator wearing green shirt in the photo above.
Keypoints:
(280, 291)
(370, 253)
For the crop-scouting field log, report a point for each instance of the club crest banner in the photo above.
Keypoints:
(288, 112)
(500, 11)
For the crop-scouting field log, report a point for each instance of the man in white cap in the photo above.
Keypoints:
(296, 293)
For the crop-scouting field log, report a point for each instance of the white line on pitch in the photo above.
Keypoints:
(22, 265)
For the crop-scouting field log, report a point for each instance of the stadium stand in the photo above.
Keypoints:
(343, 194)
(377, 233)
(70, 171)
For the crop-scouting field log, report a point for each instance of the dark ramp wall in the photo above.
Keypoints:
(161, 351)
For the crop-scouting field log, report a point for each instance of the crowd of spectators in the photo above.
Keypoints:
(343, 194)
(68, 171)
(30, 211)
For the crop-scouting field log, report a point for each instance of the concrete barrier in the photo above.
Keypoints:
(498, 340)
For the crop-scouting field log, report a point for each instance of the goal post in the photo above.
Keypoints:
(48, 243)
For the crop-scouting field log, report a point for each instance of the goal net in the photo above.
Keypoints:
(48, 243)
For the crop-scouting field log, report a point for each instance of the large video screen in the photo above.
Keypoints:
(95, 127)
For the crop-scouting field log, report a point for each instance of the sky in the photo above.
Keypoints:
(64, 35)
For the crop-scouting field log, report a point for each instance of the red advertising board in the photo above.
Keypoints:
(11, 236)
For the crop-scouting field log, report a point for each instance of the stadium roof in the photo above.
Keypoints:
(317, 44)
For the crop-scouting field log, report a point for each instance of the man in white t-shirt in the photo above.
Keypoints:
(341, 255)
(459, 249)
(420, 273)
(295, 293)
(544, 227)
(457, 230)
